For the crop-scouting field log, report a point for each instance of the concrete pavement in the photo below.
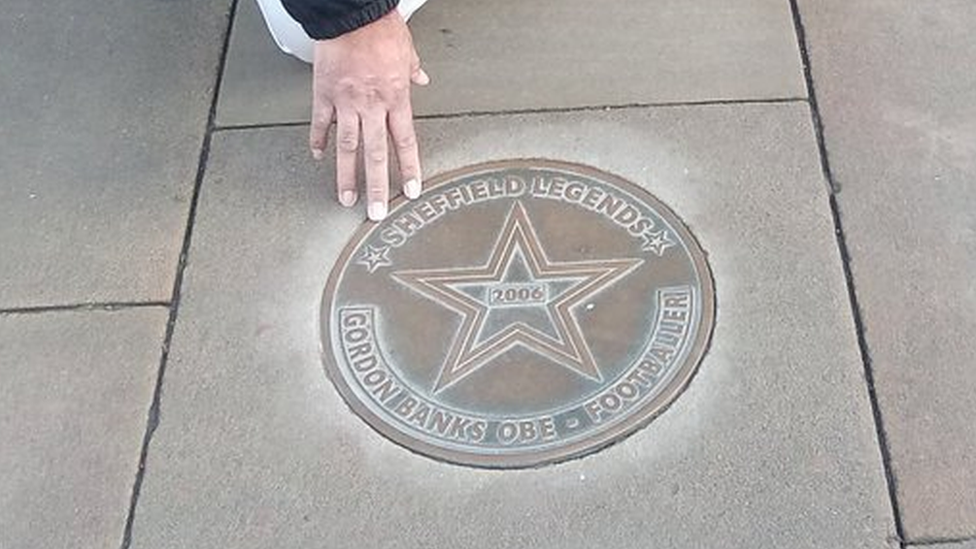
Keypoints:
(822, 154)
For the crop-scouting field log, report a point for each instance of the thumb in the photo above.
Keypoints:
(417, 74)
(420, 77)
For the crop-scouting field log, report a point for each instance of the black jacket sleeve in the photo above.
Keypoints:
(324, 19)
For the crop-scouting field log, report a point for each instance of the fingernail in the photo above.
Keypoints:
(377, 210)
(347, 198)
(412, 188)
(317, 154)
(422, 78)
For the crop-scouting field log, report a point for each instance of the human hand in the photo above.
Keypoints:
(362, 81)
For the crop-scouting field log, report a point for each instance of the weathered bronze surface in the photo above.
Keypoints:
(517, 314)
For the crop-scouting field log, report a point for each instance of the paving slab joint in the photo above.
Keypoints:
(818, 127)
(856, 312)
(152, 419)
(963, 542)
(867, 363)
(108, 306)
(553, 110)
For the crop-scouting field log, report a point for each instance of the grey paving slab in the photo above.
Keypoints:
(896, 88)
(567, 53)
(772, 445)
(260, 84)
(73, 402)
(101, 121)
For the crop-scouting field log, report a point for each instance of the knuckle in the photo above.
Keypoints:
(347, 141)
(406, 140)
(400, 86)
(373, 97)
(376, 156)
(347, 87)
(321, 119)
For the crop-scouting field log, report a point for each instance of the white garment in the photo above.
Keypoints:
(291, 37)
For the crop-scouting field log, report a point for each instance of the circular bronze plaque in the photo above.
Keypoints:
(518, 313)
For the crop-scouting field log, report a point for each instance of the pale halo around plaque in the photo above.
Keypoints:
(518, 313)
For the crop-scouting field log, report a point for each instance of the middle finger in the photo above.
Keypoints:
(376, 160)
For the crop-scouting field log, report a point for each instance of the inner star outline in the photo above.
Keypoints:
(474, 347)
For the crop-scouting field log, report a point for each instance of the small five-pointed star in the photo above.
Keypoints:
(657, 242)
(374, 258)
(539, 316)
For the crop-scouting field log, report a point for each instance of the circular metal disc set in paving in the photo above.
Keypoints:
(519, 313)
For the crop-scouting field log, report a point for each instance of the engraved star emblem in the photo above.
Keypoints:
(657, 242)
(518, 298)
(374, 258)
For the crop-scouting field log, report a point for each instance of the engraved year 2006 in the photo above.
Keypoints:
(513, 295)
